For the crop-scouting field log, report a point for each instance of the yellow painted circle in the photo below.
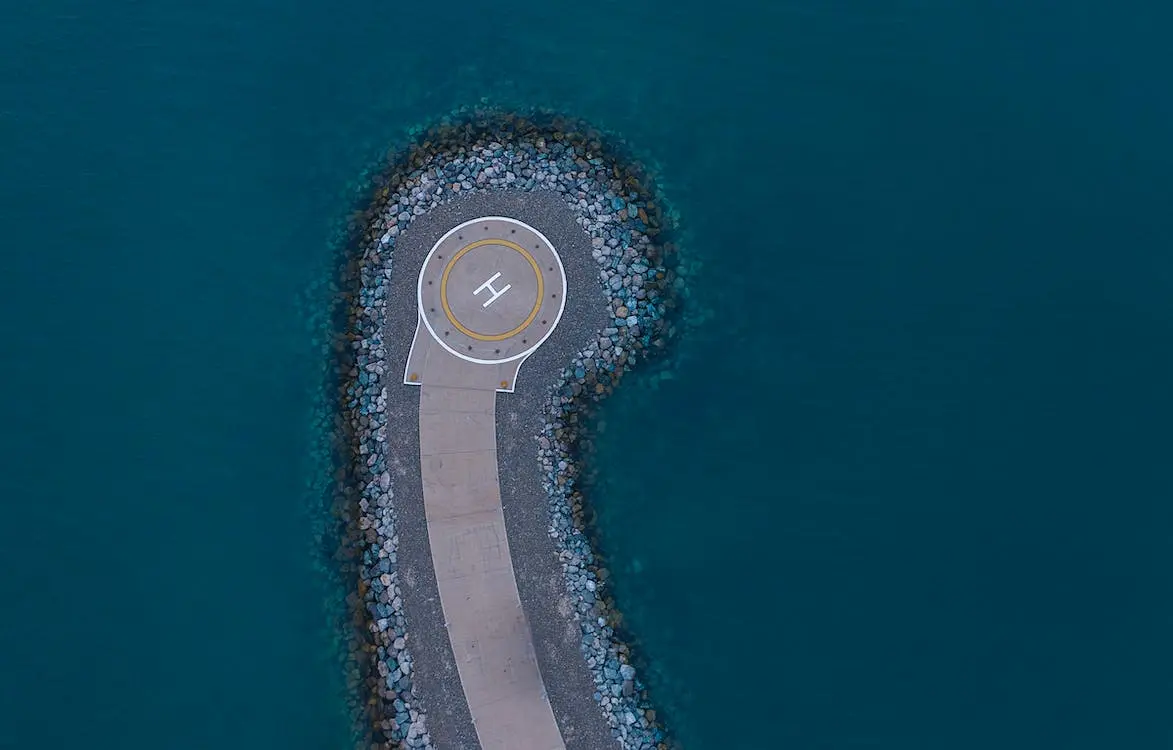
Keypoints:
(444, 290)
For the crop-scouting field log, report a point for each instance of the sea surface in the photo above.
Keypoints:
(908, 487)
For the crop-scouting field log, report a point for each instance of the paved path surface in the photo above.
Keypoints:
(517, 417)
(489, 293)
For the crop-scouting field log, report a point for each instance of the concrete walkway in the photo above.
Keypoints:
(489, 293)
(519, 387)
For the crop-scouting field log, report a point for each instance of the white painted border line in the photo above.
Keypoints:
(411, 351)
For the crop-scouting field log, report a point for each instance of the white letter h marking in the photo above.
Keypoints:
(489, 285)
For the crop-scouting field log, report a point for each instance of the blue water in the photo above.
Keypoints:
(906, 490)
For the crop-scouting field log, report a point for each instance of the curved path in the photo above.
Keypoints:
(490, 292)
(497, 659)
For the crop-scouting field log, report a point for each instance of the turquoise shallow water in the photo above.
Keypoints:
(921, 506)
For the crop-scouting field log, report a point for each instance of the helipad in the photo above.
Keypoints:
(490, 291)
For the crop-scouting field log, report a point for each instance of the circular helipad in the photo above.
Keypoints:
(491, 290)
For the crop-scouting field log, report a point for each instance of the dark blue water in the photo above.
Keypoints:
(905, 491)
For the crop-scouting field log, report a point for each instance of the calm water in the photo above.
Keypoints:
(905, 491)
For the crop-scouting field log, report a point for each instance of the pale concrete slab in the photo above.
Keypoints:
(457, 400)
(472, 545)
(429, 362)
(512, 717)
(452, 432)
(460, 484)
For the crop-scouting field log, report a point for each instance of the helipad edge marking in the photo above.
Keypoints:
(549, 330)
(444, 289)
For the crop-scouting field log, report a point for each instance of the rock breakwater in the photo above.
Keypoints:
(613, 201)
